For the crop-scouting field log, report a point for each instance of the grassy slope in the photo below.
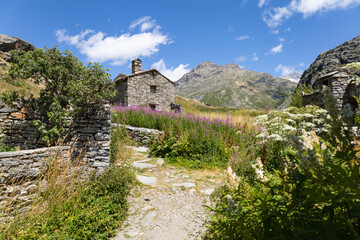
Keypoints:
(20, 84)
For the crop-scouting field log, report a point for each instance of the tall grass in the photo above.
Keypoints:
(239, 116)
(71, 203)
(191, 139)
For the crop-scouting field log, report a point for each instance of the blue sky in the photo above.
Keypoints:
(274, 36)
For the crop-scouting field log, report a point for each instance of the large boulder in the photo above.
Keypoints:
(343, 54)
(12, 43)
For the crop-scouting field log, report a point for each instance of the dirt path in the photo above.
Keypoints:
(169, 203)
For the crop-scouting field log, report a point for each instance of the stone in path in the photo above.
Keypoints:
(142, 165)
(169, 206)
(146, 180)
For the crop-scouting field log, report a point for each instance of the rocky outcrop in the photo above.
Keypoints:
(343, 54)
(12, 43)
(231, 86)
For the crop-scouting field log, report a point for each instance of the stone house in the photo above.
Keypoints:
(144, 88)
(341, 83)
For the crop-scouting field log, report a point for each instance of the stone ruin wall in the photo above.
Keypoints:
(315, 98)
(139, 90)
(19, 169)
(121, 93)
(143, 136)
(343, 89)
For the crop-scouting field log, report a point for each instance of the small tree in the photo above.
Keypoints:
(296, 97)
(70, 87)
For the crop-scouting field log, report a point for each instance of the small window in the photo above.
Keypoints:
(152, 106)
(153, 89)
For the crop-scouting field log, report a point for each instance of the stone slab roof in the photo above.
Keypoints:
(122, 76)
(336, 73)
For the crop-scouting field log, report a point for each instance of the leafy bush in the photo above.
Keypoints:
(70, 87)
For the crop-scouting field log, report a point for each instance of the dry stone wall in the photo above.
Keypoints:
(20, 172)
(89, 139)
(143, 136)
(90, 133)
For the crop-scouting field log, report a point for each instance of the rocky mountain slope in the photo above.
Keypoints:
(12, 43)
(345, 53)
(231, 86)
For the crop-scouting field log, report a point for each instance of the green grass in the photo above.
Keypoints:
(27, 85)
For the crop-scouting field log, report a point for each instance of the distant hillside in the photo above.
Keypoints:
(231, 86)
(343, 54)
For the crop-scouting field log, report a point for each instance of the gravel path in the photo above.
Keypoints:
(169, 203)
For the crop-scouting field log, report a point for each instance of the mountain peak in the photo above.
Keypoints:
(206, 64)
(232, 66)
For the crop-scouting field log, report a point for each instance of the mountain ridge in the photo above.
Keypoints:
(231, 86)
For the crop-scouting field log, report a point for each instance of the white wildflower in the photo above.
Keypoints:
(232, 180)
(259, 170)
(276, 137)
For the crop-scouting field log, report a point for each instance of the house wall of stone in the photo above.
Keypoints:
(121, 93)
(338, 88)
(139, 90)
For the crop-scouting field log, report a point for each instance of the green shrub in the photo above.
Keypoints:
(296, 97)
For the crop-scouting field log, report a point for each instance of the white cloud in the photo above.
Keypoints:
(261, 3)
(241, 59)
(145, 23)
(310, 7)
(255, 57)
(275, 31)
(230, 29)
(277, 49)
(285, 70)
(117, 49)
(274, 17)
(242, 37)
(173, 74)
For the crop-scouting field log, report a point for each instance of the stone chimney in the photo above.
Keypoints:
(136, 66)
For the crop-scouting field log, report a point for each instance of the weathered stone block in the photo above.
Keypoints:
(102, 137)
